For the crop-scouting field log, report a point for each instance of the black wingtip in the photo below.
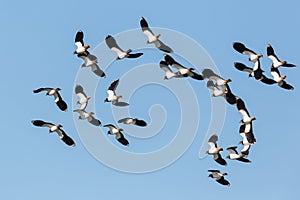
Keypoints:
(62, 105)
(239, 47)
(38, 122)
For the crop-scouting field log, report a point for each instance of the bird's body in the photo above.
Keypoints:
(219, 177)
(153, 38)
(215, 151)
(241, 48)
(276, 62)
(135, 121)
(91, 61)
(112, 96)
(181, 69)
(83, 98)
(112, 44)
(55, 128)
(235, 156)
(244, 112)
(88, 116)
(219, 81)
(117, 132)
(81, 48)
(57, 98)
(169, 73)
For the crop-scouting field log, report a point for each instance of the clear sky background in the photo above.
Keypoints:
(37, 45)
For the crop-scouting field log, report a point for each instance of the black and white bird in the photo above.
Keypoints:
(280, 79)
(55, 128)
(57, 98)
(255, 72)
(215, 150)
(244, 112)
(211, 75)
(153, 38)
(219, 177)
(169, 73)
(119, 135)
(216, 91)
(246, 132)
(88, 116)
(135, 121)
(230, 97)
(112, 97)
(83, 98)
(91, 60)
(81, 48)
(182, 70)
(234, 155)
(112, 44)
(275, 60)
(241, 48)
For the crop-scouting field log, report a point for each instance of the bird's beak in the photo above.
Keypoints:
(227, 157)
(260, 55)
(228, 80)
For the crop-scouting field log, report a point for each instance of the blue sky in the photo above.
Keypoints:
(37, 48)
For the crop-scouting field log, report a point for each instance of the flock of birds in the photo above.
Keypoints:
(216, 83)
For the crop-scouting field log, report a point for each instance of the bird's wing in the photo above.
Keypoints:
(65, 138)
(242, 67)
(79, 39)
(271, 54)
(232, 150)
(140, 122)
(121, 104)
(42, 123)
(113, 85)
(218, 158)
(80, 92)
(241, 48)
(164, 66)
(110, 126)
(245, 150)
(213, 139)
(145, 28)
(267, 80)
(285, 85)
(242, 108)
(214, 170)
(162, 46)
(120, 137)
(62, 105)
(112, 44)
(195, 75)
(42, 89)
(124, 120)
(99, 72)
(94, 121)
(223, 181)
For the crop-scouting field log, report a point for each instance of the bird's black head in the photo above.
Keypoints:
(106, 100)
(211, 176)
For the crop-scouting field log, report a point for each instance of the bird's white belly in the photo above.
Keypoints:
(53, 128)
(184, 71)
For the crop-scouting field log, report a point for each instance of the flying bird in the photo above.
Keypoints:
(89, 116)
(57, 98)
(83, 98)
(219, 177)
(275, 60)
(209, 74)
(81, 48)
(112, 44)
(255, 72)
(112, 97)
(135, 121)
(91, 60)
(182, 70)
(216, 91)
(153, 38)
(233, 155)
(55, 128)
(119, 135)
(246, 132)
(241, 48)
(215, 151)
(244, 112)
(169, 73)
(280, 79)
